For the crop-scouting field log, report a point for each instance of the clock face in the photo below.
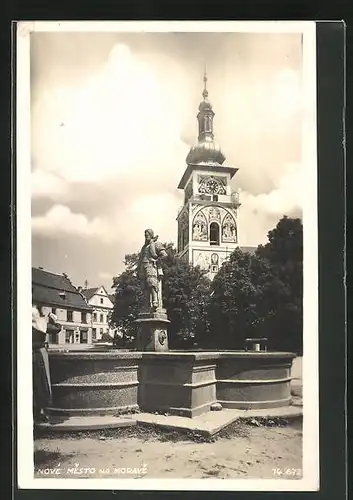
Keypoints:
(212, 186)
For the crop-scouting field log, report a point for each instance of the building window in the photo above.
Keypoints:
(70, 316)
(95, 317)
(94, 334)
(102, 300)
(215, 197)
(207, 124)
(101, 318)
(84, 337)
(214, 233)
(68, 336)
(84, 317)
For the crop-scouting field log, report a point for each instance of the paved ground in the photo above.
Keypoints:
(242, 451)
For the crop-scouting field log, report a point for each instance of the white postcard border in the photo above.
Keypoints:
(310, 480)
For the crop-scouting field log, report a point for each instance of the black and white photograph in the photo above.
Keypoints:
(167, 256)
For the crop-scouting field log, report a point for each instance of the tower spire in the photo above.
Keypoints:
(206, 150)
(205, 91)
(205, 116)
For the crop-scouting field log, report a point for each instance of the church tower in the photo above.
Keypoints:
(207, 221)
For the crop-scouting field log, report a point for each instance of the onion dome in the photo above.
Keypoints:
(206, 150)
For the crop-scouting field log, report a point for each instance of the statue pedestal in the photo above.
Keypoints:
(152, 333)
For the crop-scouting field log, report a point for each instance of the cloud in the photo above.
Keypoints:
(147, 211)
(107, 125)
(285, 198)
(59, 221)
(259, 212)
(114, 115)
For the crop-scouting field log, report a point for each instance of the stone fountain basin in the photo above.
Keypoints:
(185, 383)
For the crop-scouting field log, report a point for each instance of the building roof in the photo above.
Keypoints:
(56, 290)
(89, 292)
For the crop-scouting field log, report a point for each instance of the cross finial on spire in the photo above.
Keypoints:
(205, 92)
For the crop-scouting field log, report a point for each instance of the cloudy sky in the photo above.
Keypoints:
(113, 117)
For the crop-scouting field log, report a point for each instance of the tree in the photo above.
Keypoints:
(284, 251)
(106, 337)
(260, 295)
(186, 294)
(127, 297)
(240, 305)
(185, 297)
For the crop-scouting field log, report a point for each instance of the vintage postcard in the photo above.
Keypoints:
(167, 256)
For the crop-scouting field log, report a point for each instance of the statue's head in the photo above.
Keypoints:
(149, 234)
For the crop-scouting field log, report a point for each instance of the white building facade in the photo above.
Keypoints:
(102, 306)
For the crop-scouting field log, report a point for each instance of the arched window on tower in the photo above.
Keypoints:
(214, 233)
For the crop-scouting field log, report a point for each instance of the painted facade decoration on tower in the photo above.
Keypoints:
(214, 263)
(199, 227)
(207, 222)
(229, 229)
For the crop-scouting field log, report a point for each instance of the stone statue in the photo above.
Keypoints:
(150, 272)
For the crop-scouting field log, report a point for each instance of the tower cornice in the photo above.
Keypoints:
(225, 169)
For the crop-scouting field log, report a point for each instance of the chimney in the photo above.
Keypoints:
(79, 288)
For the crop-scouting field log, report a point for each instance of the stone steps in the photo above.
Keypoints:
(207, 424)
(83, 423)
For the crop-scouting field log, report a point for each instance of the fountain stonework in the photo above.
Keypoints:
(154, 379)
(89, 383)
(177, 383)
